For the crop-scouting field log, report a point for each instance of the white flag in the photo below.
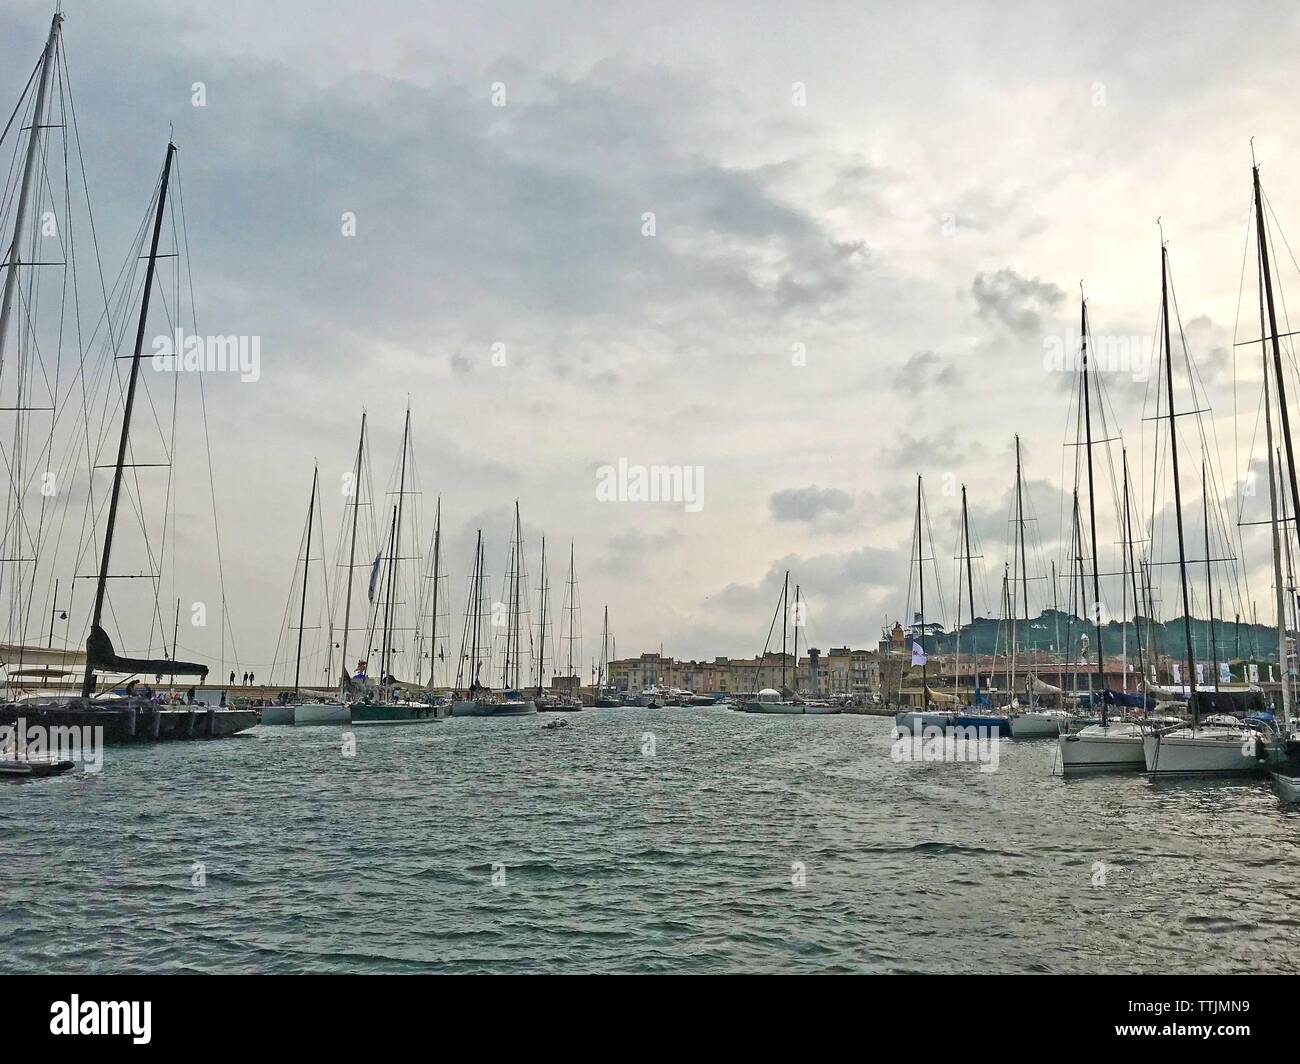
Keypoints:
(918, 654)
(1225, 672)
(1254, 673)
(1178, 672)
(1200, 672)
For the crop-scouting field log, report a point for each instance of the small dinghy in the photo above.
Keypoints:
(557, 723)
(32, 768)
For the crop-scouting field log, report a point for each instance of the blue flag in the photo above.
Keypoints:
(374, 578)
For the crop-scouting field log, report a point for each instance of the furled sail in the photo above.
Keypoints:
(102, 657)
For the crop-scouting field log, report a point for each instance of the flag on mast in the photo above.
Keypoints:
(918, 654)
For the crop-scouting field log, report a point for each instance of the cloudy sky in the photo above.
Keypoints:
(869, 228)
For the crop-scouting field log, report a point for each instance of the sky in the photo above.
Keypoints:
(811, 253)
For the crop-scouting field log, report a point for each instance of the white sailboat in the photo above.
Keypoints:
(1216, 745)
(295, 709)
(1109, 744)
(925, 717)
(478, 700)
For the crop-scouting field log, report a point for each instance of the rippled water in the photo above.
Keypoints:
(615, 860)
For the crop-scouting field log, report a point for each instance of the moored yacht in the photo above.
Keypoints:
(1220, 745)
(485, 703)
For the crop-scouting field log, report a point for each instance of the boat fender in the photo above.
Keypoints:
(130, 721)
(189, 724)
(212, 722)
(155, 727)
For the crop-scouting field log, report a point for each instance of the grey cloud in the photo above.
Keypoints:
(1015, 302)
(808, 505)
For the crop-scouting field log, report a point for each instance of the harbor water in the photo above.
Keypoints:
(635, 840)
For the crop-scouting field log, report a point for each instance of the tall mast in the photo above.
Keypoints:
(1192, 700)
(785, 610)
(604, 651)
(1279, 595)
(437, 565)
(1209, 580)
(352, 548)
(1024, 567)
(1262, 239)
(14, 257)
(920, 585)
(573, 606)
(88, 683)
(476, 585)
(970, 591)
(519, 565)
(306, 568)
(397, 548)
(388, 601)
(541, 654)
(795, 626)
(1092, 510)
(1132, 568)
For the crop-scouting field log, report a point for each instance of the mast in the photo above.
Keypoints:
(352, 549)
(785, 611)
(1279, 595)
(541, 655)
(475, 590)
(101, 585)
(795, 626)
(604, 651)
(514, 602)
(1024, 566)
(13, 259)
(1132, 568)
(306, 568)
(397, 549)
(1262, 239)
(920, 584)
(1192, 700)
(970, 593)
(1092, 510)
(573, 606)
(437, 565)
(388, 601)
(1209, 580)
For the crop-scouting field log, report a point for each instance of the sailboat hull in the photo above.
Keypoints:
(1202, 752)
(476, 708)
(1035, 726)
(380, 713)
(1114, 748)
(320, 713)
(915, 720)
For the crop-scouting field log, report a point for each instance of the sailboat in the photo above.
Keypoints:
(1212, 745)
(606, 696)
(296, 710)
(478, 699)
(545, 703)
(925, 717)
(571, 702)
(132, 716)
(771, 700)
(1107, 745)
(389, 701)
(1282, 746)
